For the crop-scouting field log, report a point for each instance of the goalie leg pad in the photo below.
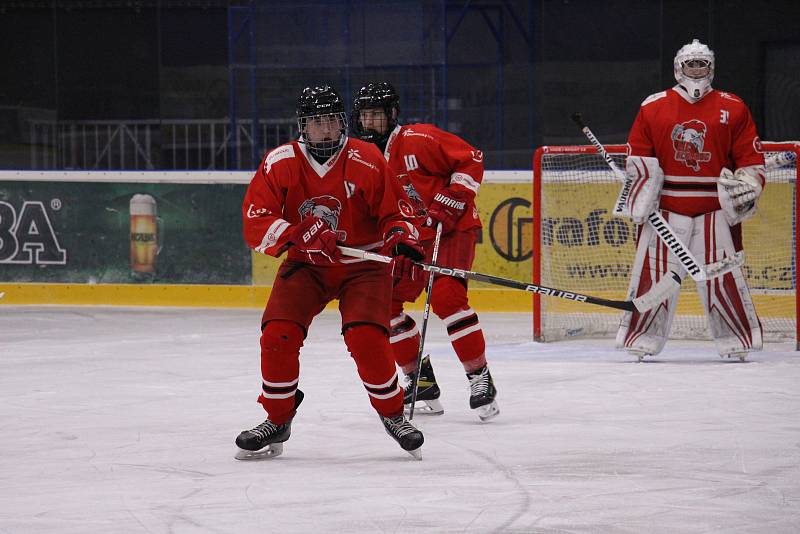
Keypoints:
(728, 304)
(646, 333)
(369, 346)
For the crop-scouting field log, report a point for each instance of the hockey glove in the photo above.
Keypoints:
(405, 249)
(447, 207)
(314, 237)
(738, 193)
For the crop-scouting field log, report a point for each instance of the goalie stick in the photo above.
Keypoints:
(699, 273)
(657, 294)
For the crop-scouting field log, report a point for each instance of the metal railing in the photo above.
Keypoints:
(202, 144)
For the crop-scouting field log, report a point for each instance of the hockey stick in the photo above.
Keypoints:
(659, 223)
(657, 294)
(425, 315)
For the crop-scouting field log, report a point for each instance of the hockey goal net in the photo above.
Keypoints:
(579, 246)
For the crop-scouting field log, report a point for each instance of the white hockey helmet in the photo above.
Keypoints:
(694, 68)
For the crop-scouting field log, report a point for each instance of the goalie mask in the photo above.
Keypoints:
(321, 120)
(694, 68)
(375, 112)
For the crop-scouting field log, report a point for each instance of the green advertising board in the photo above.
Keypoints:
(112, 233)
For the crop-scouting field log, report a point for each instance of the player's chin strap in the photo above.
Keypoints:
(698, 272)
(665, 288)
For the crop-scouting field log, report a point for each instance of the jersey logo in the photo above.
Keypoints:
(253, 212)
(688, 139)
(327, 208)
(354, 155)
(411, 162)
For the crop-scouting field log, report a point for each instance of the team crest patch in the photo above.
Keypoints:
(326, 207)
(688, 139)
(405, 208)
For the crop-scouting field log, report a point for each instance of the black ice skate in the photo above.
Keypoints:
(404, 433)
(427, 391)
(482, 393)
(266, 440)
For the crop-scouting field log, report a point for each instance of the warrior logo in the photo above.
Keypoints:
(325, 207)
(688, 139)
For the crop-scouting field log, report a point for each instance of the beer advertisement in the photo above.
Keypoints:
(135, 233)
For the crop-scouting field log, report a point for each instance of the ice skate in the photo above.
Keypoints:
(482, 394)
(742, 356)
(266, 440)
(404, 433)
(640, 355)
(427, 391)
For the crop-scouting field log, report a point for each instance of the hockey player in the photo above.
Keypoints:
(307, 196)
(441, 174)
(695, 154)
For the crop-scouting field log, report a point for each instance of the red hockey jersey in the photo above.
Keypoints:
(693, 142)
(427, 159)
(355, 192)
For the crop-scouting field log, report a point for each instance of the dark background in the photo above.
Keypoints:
(211, 85)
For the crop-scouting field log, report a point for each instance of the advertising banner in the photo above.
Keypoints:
(131, 233)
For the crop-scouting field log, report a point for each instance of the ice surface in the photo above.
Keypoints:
(123, 420)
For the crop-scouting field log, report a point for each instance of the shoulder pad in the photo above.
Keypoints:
(282, 152)
(652, 98)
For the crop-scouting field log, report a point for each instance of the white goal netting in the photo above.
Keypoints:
(582, 247)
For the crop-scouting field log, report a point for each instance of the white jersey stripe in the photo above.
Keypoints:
(464, 179)
(278, 395)
(691, 179)
(397, 320)
(385, 395)
(272, 235)
(380, 386)
(280, 384)
(457, 316)
(689, 194)
(404, 335)
(465, 332)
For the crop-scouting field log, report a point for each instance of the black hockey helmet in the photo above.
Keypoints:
(321, 102)
(379, 95)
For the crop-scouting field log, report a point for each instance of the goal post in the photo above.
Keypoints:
(578, 244)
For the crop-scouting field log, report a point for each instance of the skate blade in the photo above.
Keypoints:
(742, 356)
(270, 451)
(430, 407)
(416, 454)
(489, 411)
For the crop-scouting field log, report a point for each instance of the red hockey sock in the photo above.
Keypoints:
(369, 346)
(449, 302)
(280, 368)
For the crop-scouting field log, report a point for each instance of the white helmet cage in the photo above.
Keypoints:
(694, 68)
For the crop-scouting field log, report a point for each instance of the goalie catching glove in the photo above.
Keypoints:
(313, 237)
(447, 207)
(405, 249)
(738, 193)
(646, 180)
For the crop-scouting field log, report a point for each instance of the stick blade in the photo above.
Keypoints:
(578, 119)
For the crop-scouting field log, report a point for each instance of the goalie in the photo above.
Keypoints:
(693, 153)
